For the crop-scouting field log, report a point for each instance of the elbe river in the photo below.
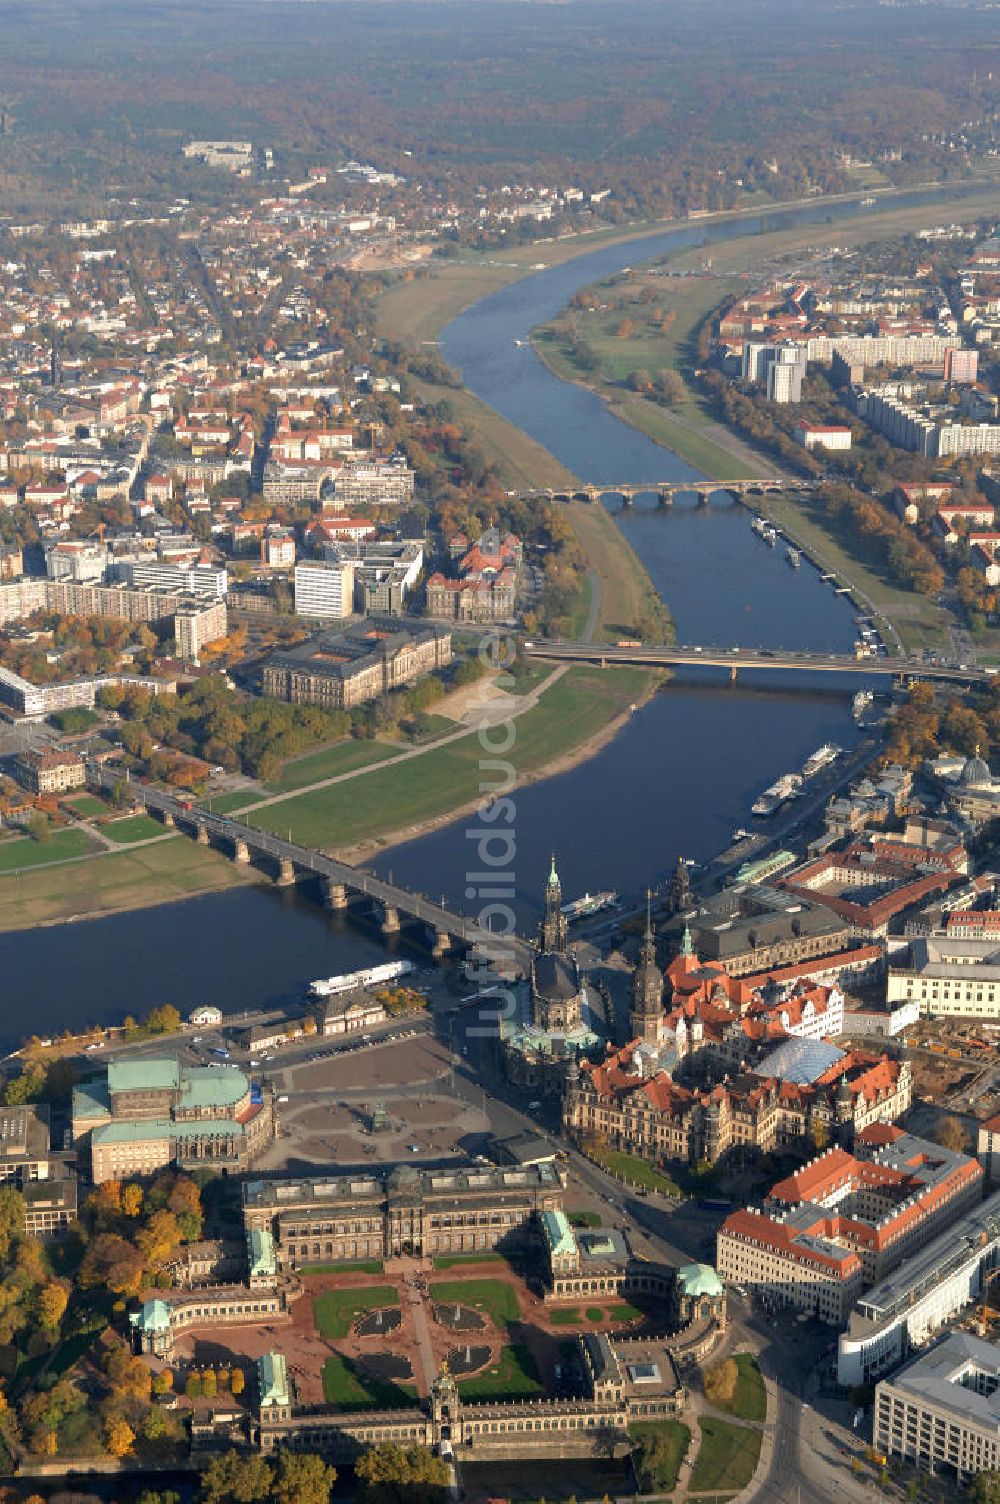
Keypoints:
(677, 779)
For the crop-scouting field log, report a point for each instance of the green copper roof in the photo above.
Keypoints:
(272, 1375)
(154, 1316)
(261, 1246)
(91, 1100)
(553, 874)
(212, 1086)
(558, 1233)
(699, 1279)
(687, 944)
(137, 1131)
(143, 1075)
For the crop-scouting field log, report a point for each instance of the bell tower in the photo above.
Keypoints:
(646, 1012)
(553, 931)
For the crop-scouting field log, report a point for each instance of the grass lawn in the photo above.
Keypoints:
(497, 1299)
(86, 806)
(625, 1312)
(750, 1399)
(727, 1456)
(523, 676)
(342, 757)
(349, 1388)
(629, 603)
(360, 1266)
(126, 879)
(335, 1311)
(132, 828)
(576, 707)
(569, 1317)
(584, 1219)
(227, 804)
(449, 1260)
(833, 544)
(513, 1377)
(23, 852)
(636, 1171)
(660, 1449)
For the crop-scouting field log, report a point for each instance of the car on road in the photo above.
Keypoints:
(534, 1106)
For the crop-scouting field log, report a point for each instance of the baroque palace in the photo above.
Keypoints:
(718, 1065)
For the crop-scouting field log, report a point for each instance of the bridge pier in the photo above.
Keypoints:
(390, 920)
(201, 834)
(169, 822)
(334, 895)
(733, 672)
(626, 499)
(703, 496)
(441, 943)
(286, 873)
(241, 852)
(665, 499)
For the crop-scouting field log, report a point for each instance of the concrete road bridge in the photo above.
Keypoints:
(339, 881)
(666, 491)
(674, 655)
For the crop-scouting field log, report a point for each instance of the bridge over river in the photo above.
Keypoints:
(673, 655)
(667, 490)
(338, 880)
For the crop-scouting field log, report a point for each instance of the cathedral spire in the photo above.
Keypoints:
(687, 944)
(646, 1012)
(554, 929)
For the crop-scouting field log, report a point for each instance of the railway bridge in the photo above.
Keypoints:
(339, 881)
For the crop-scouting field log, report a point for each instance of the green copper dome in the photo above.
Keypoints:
(699, 1279)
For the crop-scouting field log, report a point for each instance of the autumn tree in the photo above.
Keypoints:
(52, 1302)
(302, 1478)
(950, 1134)
(232, 1479)
(391, 1474)
(118, 1437)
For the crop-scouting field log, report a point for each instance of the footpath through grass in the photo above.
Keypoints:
(342, 757)
(24, 852)
(575, 708)
(659, 1449)
(727, 1457)
(126, 879)
(336, 1311)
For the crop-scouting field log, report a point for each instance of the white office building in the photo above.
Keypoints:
(948, 977)
(208, 580)
(943, 1409)
(913, 1303)
(324, 588)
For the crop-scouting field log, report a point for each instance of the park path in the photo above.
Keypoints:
(491, 712)
(594, 614)
(416, 1290)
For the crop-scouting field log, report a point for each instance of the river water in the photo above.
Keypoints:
(677, 778)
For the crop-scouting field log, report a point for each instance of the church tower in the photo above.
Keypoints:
(553, 931)
(646, 1012)
(679, 890)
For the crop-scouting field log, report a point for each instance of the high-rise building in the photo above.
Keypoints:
(324, 588)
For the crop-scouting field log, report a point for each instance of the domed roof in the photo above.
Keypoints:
(699, 1279)
(975, 772)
